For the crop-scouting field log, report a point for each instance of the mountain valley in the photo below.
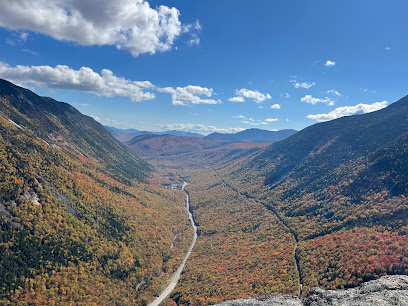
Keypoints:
(86, 221)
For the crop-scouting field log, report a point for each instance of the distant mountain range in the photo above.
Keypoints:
(128, 134)
(162, 145)
(253, 136)
(246, 136)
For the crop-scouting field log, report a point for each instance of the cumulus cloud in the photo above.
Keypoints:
(192, 127)
(304, 85)
(348, 111)
(334, 92)
(387, 48)
(131, 25)
(237, 99)
(276, 106)
(255, 95)
(85, 79)
(330, 64)
(309, 99)
(190, 95)
(252, 121)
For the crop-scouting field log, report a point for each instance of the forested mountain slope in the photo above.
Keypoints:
(61, 124)
(326, 207)
(82, 219)
(166, 145)
(341, 187)
(353, 158)
(325, 146)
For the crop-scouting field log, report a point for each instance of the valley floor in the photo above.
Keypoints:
(247, 246)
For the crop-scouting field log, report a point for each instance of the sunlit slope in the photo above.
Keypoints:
(83, 219)
(342, 187)
(60, 123)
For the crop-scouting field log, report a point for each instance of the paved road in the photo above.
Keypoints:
(173, 282)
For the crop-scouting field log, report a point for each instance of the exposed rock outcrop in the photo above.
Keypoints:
(386, 291)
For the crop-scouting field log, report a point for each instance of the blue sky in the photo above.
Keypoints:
(209, 65)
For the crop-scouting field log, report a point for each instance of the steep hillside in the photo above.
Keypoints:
(355, 158)
(253, 136)
(61, 124)
(327, 145)
(82, 219)
(341, 187)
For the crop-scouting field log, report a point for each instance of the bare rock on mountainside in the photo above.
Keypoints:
(386, 291)
(267, 300)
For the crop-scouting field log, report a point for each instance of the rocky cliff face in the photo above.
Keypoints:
(386, 291)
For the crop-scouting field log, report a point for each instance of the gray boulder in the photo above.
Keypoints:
(389, 290)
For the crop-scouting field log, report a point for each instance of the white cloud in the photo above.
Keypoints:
(252, 121)
(24, 36)
(195, 40)
(10, 41)
(255, 95)
(330, 64)
(131, 25)
(304, 85)
(30, 51)
(192, 26)
(309, 99)
(348, 111)
(197, 26)
(112, 122)
(191, 127)
(237, 99)
(285, 95)
(85, 79)
(276, 106)
(271, 119)
(387, 48)
(334, 92)
(190, 95)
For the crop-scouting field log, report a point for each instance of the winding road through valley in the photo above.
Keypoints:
(173, 282)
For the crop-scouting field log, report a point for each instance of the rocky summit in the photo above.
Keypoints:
(386, 291)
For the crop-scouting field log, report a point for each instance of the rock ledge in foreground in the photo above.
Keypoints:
(386, 291)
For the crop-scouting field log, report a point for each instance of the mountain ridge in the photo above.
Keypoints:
(78, 210)
(253, 135)
(48, 117)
